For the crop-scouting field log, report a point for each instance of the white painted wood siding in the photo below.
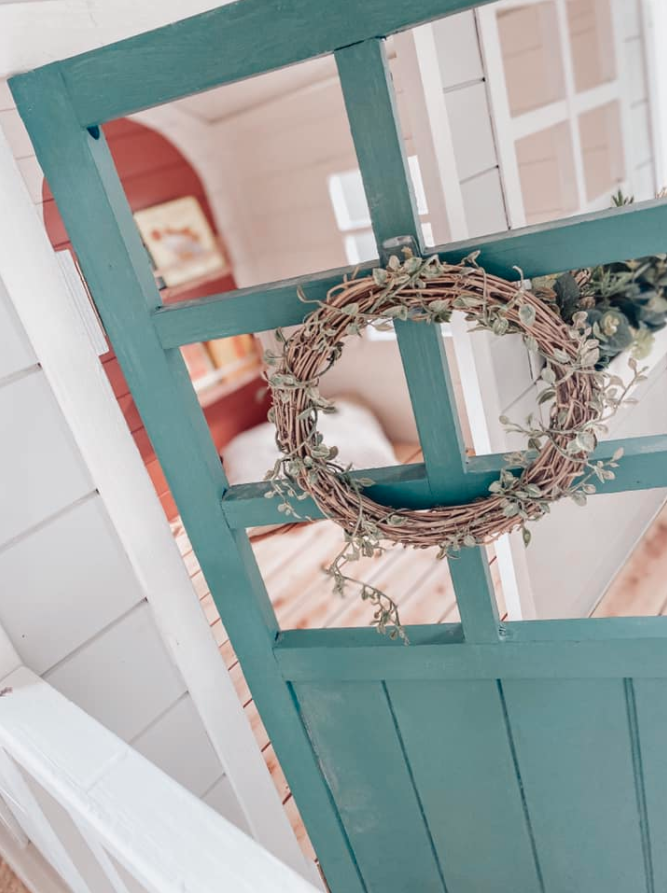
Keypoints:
(69, 598)
(106, 817)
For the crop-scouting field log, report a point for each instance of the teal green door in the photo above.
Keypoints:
(484, 757)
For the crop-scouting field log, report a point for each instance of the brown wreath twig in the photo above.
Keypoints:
(428, 291)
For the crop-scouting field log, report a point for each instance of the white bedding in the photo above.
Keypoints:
(353, 429)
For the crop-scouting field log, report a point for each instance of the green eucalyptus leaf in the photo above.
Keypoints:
(380, 277)
(548, 375)
(527, 314)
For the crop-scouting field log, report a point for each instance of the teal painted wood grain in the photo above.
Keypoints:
(236, 41)
(82, 177)
(432, 396)
(574, 752)
(475, 596)
(257, 308)
(581, 241)
(651, 710)
(366, 82)
(369, 99)
(573, 242)
(643, 467)
(457, 744)
(440, 652)
(354, 734)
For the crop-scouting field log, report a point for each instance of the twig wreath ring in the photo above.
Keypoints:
(557, 463)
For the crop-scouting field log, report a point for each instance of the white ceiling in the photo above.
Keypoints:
(33, 34)
(224, 102)
(41, 31)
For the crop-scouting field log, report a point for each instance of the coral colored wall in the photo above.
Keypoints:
(152, 171)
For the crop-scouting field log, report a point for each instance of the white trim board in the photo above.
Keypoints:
(35, 284)
(123, 806)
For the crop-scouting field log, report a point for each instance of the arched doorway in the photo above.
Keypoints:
(153, 172)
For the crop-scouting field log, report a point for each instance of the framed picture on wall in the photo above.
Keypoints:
(180, 241)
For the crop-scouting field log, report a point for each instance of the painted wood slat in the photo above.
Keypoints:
(434, 406)
(30, 815)
(651, 732)
(225, 45)
(471, 126)
(64, 584)
(462, 762)
(82, 176)
(474, 595)
(38, 478)
(84, 853)
(585, 240)
(369, 98)
(643, 467)
(596, 649)
(161, 834)
(574, 753)
(244, 310)
(245, 505)
(355, 737)
(366, 81)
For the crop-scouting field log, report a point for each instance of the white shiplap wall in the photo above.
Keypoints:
(69, 599)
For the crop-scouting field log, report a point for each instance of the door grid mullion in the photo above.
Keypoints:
(369, 98)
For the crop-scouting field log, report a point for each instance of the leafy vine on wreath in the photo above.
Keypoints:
(582, 396)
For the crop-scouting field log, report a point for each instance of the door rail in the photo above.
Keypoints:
(643, 467)
(581, 241)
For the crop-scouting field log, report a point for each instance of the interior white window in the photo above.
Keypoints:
(348, 199)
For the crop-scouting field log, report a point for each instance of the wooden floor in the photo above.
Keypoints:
(9, 883)
(291, 561)
(640, 587)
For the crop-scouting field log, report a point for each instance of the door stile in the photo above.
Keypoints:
(83, 179)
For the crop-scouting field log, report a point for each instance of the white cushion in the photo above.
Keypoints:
(353, 429)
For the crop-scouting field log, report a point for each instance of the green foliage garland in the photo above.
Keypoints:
(558, 463)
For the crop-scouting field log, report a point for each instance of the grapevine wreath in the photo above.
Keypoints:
(558, 462)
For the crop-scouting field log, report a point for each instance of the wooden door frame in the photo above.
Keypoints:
(63, 106)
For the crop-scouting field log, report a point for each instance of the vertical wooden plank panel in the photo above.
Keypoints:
(650, 697)
(574, 753)
(355, 737)
(457, 745)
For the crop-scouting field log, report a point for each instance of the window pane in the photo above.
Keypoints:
(360, 247)
(349, 200)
